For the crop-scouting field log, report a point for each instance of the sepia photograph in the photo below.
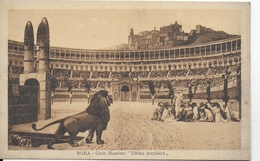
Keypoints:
(129, 80)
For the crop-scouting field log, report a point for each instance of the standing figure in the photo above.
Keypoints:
(208, 92)
(225, 76)
(190, 94)
(70, 95)
(195, 112)
(178, 102)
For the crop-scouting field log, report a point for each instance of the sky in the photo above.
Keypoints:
(104, 28)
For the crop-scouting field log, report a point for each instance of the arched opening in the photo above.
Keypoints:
(32, 90)
(125, 96)
(31, 82)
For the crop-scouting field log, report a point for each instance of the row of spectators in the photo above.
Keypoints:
(64, 73)
(217, 70)
(158, 74)
(80, 84)
(80, 74)
(96, 74)
(178, 73)
(164, 84)
(200, 71)
(139, 74)
(120, 75)
(200, 83)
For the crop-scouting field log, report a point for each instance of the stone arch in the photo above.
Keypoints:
(159, 68)
(125, 89)
(184, 66)
(115, 96)
(179, 66)
(215, 63)
(31, 82)
(210, 64)
(125, 93)
(236, 60)
(169, 67)
(140, 68)
(145, 68)
(200, 65)
(225, 62)
(194, 65)
(205, 65)
(150, 68)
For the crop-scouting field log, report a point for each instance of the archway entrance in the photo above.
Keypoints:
(33, 93)
(125, 94)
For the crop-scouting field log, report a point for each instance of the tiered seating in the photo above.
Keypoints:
(140, 74)
(157, 74)
(197, 72)
(119, 74)
(80, 74)
(75, 84)
(96, 74)
(85, 74)
(182, 83)
(217, 70)
(61, 73)
(178, 73)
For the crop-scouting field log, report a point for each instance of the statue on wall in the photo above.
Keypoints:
(131, 31)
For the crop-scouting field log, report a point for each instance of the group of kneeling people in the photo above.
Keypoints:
(191, 112)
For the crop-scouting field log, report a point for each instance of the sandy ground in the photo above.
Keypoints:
(131, 128)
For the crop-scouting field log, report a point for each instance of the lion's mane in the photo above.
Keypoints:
(99, 104)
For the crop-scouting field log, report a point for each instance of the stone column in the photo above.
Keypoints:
(28, 48)
(43, 41)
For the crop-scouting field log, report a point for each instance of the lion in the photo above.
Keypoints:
(95, 118)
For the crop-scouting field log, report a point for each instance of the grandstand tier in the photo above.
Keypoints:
(125, 73)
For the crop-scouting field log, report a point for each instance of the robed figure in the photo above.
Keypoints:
(178, 102)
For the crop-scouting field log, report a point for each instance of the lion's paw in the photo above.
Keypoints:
(88, 141)
(100, 142)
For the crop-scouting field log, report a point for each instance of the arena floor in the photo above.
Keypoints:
(131, 128)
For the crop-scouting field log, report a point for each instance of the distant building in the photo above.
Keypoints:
(198, 29)
(171, 35)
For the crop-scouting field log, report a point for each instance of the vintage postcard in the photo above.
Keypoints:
(125, 80)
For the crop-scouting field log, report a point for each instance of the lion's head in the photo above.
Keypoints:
(99, 104)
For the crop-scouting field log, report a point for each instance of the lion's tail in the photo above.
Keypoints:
(54, 122)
